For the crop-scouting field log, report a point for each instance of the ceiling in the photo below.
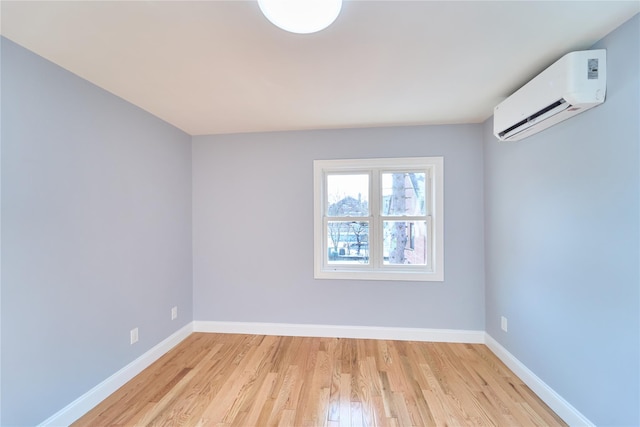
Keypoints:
(212, 67)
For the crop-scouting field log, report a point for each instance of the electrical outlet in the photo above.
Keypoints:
(503, 323)
(174, 313)
(134, 335)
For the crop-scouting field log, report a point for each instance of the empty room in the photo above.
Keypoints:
(407, 213)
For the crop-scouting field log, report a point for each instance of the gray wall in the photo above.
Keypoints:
(96, 220)
(562, 248)
(253, 231)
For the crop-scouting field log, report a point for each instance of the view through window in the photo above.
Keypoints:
(379, 218)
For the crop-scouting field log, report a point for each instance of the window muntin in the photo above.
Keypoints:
(379, 219)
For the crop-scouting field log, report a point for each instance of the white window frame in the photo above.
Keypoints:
(433, 271)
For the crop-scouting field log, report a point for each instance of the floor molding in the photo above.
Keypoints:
(90, 399)
(336, 331)
(564, 409)
(87, 401)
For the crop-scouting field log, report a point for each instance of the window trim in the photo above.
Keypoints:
(375, 270)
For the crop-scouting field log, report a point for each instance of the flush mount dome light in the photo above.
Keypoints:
(301, 16)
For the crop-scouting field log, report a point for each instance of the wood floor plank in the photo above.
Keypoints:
(200, 389)
(287, 393)
(255, 380)
(344, 417)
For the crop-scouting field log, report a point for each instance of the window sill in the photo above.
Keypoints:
(404, 276)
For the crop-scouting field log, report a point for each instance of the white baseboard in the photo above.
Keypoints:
(90, 399)
(568, 413)
(335, 331)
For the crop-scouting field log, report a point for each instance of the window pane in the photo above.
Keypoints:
(405, 242)
(403, 193)
(348, 195)
(348, 242)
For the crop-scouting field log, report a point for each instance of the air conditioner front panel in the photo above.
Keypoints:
(578, 78)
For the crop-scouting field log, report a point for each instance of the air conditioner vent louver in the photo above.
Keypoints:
(568, 87)
(530, 121)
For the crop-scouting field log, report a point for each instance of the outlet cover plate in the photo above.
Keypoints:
(134, 335)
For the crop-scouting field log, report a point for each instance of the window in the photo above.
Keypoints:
(379, 219)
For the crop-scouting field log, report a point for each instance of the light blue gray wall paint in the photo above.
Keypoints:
(96, 220)
(562, 247)
(0, 238)
(253, 231)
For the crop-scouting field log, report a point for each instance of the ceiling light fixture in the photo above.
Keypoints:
(301, 16)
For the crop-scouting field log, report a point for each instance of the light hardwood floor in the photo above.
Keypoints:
(257, 380)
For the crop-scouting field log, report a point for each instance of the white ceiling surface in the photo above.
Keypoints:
(212, 67)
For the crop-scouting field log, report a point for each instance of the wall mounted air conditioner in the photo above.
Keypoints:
(573, 84)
